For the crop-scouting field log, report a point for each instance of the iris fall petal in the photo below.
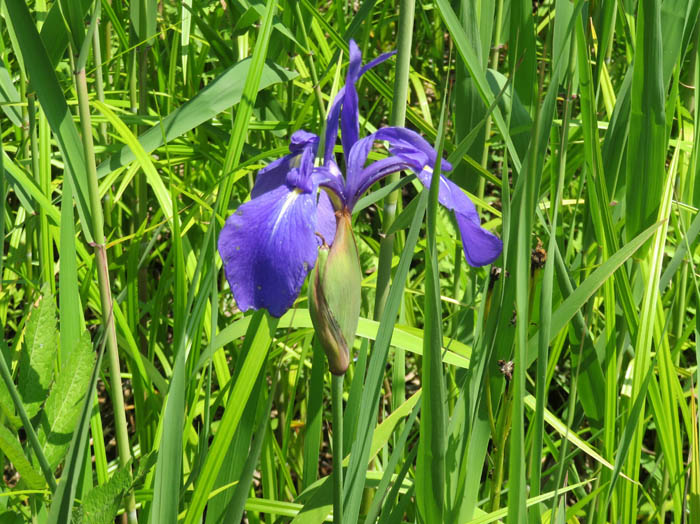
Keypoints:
(268, 246)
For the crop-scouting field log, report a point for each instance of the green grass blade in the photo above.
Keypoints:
(258, 341)
(54, 104)
(223, 92)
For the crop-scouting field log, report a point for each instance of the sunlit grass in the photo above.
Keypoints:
(565, 385)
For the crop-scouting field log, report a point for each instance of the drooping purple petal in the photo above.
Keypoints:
(268, 246)
(272, 176)
(412, 147)
(480, 246)
(409, 151)
(375, 172)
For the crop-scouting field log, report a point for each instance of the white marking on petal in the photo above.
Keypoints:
(288, 202)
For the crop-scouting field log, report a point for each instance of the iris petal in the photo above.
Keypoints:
(325, 218)
(481, 247)
(268, 246)
(302, 147)
(272, 176)
(345, 104)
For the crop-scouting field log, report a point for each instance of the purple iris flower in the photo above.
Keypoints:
(271, 242)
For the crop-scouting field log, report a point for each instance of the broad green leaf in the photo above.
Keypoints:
(62, 501)
(143, 19)
(36, 363)
(647, 128)
(62, 409)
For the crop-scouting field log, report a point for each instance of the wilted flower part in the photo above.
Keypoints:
(271, 243)
(335, 297)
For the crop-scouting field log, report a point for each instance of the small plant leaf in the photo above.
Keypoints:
(63, 406)
(37, 358)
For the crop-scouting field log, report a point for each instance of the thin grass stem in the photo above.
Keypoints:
(100, 250)
(398, 118)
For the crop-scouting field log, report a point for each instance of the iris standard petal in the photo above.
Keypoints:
(345, 104)
(268, 246)
(480, 246)
(303, 146)
(332, 125)
(325, 218)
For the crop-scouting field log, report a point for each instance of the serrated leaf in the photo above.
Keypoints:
(65, 402)
(12, 449)
(101, 504)
(37, 358)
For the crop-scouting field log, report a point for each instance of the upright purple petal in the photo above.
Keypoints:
(325, 218)
(332, 125)
(481, 247)
(350, 117)
(268, 246)
(302, 147)
(374, 63)
(346, 104)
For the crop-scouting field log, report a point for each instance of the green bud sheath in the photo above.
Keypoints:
(335, 297)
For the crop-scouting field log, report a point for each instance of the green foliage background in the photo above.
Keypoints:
(558, 385)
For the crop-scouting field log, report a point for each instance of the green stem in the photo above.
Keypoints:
(122, 433)
(99, 80)
(42, 231)
(398, 118)
(495, 52)
(337, 407)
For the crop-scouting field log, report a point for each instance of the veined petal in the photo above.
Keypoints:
(480, 246)
(375, 172)
(409, 150)
(411, 146)
(268, 246)
(272, 175)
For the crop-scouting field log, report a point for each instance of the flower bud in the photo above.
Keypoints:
(335, 295)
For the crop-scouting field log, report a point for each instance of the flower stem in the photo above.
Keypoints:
(104, 283)
(398, 118)
(337, 407)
